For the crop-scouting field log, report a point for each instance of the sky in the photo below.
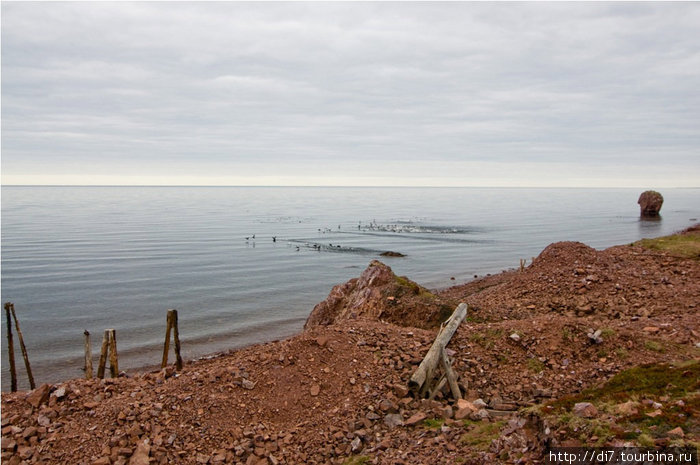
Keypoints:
(351, 94)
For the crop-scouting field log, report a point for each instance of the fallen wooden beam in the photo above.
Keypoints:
(425, 371)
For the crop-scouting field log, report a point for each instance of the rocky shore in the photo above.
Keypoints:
(581, 347)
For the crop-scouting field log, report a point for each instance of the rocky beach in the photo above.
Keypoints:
(580, 347)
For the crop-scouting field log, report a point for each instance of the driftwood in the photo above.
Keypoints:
(450, 375)
(171, 324)
(11, 349)
(422, 377)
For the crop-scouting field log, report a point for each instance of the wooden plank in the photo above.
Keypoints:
(426, 369)
(11, 349)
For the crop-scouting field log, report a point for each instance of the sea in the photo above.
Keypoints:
(245, 265)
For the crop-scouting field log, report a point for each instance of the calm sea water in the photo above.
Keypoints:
(76, 258)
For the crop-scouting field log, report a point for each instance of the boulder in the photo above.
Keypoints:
(650, 203)
(379, 294)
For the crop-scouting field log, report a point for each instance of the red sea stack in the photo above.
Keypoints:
(650, 203)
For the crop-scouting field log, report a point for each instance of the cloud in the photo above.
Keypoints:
(341, 90)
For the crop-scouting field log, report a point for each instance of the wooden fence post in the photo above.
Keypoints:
(171, 324)
(103, 355)
(113, 356)
(11, 349)
(88, 355)
(23, 347)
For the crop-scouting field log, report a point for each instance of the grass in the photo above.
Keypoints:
(664, 382)
(433, 423)
(486, 339)
(535, 365)
(679, 245)
(655, 346)
(480, 434)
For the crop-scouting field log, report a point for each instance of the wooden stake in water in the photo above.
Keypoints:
(11, 349)
(171, 324)
(88, 355)
(103, 355)
(113, 356)
(109, 348)
(23, 347)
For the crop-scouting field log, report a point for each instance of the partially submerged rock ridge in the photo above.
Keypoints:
(378, 294)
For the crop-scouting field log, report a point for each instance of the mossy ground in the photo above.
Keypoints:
(665, 396)
(357, 460)
(685, 245)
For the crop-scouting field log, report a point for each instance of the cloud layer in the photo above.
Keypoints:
(351, 93)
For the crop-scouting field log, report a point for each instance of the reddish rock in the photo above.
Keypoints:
(38, 396)
(140, 456)
(676, 433)
(367, 297)
(416, 418)
(650, 203)
(585, 410)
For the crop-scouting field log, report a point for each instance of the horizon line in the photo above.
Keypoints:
(345, 186)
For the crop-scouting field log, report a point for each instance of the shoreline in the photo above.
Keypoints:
(337, 392)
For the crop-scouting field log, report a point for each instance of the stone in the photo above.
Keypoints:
(104, 460)
(464, 409)
(676, 433)
(515, 337)
(315, 390)
(38, 396)
(416, 418)
(356, 445)
(627, 408)
(585, 410)
(650, 203)
(140, 455)
(247, 384)
(43, 420)
(392, 420)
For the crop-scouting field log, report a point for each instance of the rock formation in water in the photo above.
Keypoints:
(650, 203)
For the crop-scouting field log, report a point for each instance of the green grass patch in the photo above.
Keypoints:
(535, 365)
(655, 346)
(480, 434)
(433, 422)
(679, 245)
(649, 380)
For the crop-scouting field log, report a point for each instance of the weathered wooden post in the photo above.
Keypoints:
(23, 347)
(103, 355)
(88, 355)
(11, 349)
(109, 347)
(423, 376)
(171, 324)
(113, 356)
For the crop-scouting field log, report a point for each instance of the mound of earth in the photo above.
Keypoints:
(378, 294)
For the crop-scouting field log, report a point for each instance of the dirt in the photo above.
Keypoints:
(337, 393)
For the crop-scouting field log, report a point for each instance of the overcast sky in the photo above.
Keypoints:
(439, 94)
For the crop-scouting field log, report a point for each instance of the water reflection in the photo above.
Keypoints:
(649, 226)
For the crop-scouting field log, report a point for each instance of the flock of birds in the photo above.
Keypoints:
(317, 247)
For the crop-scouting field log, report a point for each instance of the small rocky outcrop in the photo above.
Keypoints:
(650, 203)
(379, 294)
